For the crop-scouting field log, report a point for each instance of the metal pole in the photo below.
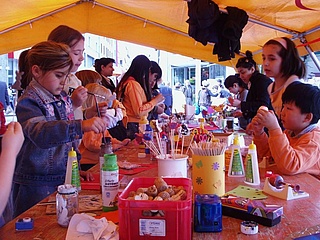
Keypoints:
(311, 53)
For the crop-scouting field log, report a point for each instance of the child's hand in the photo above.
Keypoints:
(237, 113)
(79, 95)
(267, 119)
(95, 124)
(13, 137)
(255, 128)
(160, 108)
(234, 102)
(86, 176)
(159, 98)
(92, 111)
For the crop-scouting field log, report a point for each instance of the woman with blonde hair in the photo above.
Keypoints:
(116, 123)
(88, 76)
(91, 141)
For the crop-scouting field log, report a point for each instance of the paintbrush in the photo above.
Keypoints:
(71, 89)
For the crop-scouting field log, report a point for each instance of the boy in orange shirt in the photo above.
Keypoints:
(297, 149)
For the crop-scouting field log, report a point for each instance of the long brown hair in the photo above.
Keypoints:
(66, 35)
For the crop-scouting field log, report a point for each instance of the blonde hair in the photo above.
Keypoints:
(49, 55)
(88, 76)
(100, 91)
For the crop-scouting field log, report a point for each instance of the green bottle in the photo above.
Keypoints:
(110, 183)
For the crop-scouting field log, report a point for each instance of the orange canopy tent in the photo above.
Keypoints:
(160, 24)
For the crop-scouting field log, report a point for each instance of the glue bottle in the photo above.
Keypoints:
(72, 173)
(252, 167)
(110, 183)
(236, 168)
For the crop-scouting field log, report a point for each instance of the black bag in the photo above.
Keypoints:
(119, 131)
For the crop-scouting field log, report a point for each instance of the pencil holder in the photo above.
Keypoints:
(172, 166)
(208, 174)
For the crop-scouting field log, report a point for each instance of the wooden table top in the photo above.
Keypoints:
(299, 214)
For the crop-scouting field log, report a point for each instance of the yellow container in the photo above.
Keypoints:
(208, 174)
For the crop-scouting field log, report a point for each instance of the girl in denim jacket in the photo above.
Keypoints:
(45, 112)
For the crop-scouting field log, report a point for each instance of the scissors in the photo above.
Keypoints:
(203, 137)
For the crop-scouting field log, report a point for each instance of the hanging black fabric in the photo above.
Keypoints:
(208, 24)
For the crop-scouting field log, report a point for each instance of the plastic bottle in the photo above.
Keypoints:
(110, 183)
(201, 123)
(72, 173)
(148, 136)
(143, 123)
(75, 180)
(252, 176)
(106, 148)
(164, 144)
(236, 168)
(72, 155)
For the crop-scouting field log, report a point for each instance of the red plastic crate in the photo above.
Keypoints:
(175, 224)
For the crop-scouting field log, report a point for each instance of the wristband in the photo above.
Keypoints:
(249, 227)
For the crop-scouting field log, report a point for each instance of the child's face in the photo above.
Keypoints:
(292, 118)
(77, 55)
(234, 89)
(153, 79)
(271, 61)
(53, 80)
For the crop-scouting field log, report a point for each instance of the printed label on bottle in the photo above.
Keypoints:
(110, 186)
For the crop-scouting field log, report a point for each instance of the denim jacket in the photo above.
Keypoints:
(50, 131)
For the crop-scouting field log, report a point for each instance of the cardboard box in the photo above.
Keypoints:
(174, 222)
(226, 138)
(252, 210)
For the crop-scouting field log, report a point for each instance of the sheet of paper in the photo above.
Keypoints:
(247, 192)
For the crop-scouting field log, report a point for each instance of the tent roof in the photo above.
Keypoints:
(160, 24)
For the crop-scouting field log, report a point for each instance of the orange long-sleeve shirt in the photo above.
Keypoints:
(292, 155)
(135, 101)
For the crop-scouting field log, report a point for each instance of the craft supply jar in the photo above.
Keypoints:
(66, 203)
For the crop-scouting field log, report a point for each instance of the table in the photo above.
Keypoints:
(298, 214)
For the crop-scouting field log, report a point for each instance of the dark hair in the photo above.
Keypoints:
(102, 62)
(291, 64)
(24, 67)
(139, 70)
(305, 96)
(155, 68)
(247, 61)
(66, 35)
(230, 80)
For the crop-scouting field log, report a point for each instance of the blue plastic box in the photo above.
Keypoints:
(207, 213)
